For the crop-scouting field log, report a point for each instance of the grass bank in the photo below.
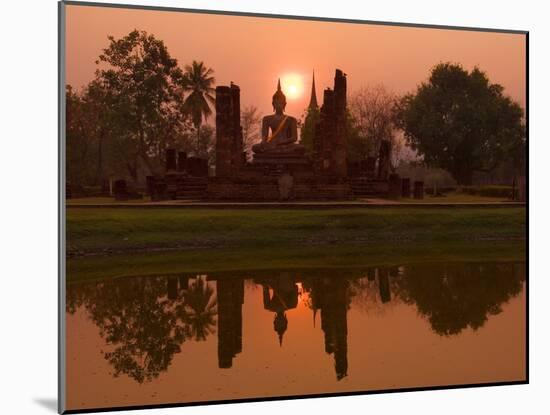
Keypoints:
(120, 230)
(293, 258)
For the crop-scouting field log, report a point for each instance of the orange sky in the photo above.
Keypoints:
(253, 52)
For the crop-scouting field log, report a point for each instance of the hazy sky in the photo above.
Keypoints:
(253, 52)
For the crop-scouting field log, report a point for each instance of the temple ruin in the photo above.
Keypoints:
(279, 168)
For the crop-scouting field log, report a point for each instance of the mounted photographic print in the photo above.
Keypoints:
(258, 207)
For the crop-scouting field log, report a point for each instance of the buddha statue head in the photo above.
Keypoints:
(280, 324)
(279, 99)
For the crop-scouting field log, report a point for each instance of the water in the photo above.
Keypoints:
(187, 338)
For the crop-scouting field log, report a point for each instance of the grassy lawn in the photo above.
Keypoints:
(105, 230)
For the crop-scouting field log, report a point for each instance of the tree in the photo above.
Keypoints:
(142, 85)
(250, 122)
(459, 121)
(89, 128)
(307, 131)
(372, 119)
(206, 146)
(80, 142)
(198, 81)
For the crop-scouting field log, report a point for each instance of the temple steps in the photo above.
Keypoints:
(191, 188)
(366, 186)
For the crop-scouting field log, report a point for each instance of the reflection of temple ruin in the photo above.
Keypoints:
(330, 296)
(135, 313)
(283, 172)
(230, 320)
(279, 295)
(287, 173)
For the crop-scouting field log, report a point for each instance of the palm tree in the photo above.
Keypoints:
(198, 82)
(200, 308)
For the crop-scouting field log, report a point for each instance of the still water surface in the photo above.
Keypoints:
(188, 338)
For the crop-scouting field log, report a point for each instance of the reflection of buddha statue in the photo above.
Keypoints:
(284, 297)
(283, 128)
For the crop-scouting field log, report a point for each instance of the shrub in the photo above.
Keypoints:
(489, 191)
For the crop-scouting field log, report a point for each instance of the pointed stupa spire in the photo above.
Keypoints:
(313, 100)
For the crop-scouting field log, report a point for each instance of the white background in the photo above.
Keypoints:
(28, 204)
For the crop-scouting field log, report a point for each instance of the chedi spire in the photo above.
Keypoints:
(313, 100)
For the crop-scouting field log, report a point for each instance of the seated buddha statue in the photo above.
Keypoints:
(279, 131)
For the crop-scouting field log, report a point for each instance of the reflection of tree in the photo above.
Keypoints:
(200, 308)
(135, 316)
(456, 296)
(146, 319)
(373, 294)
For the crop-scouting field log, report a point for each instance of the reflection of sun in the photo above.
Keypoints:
(292, 85)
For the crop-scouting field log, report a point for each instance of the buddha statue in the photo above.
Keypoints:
(283, 128)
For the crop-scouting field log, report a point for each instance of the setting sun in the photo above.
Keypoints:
(292, 85)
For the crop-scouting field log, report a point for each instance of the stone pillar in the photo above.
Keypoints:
(330, 131)
(237, 143)
(406, 187)
(384, 285)
(183, 281)
(394, 186)
(418, 190)
(229, 141)
(285, 183)
(324, 132)
(182, 161)
(384, 160)
(204, 168)
(371, 166)
(121, 192)
(340, 113)
(371, 274)
(522, 189)
(171, 164)
(172, 288)
(223, 130)
(197, 167)
(318, 147)
(150, 184)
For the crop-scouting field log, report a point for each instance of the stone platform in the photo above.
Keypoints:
(267, 158)
(277, 188)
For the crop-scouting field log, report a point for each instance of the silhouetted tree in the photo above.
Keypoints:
(372, 118)
(199, 83)
(311, 117)
(200, 309)
(459, 121)
(81, 140)
(250, 122)
(143, 97)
